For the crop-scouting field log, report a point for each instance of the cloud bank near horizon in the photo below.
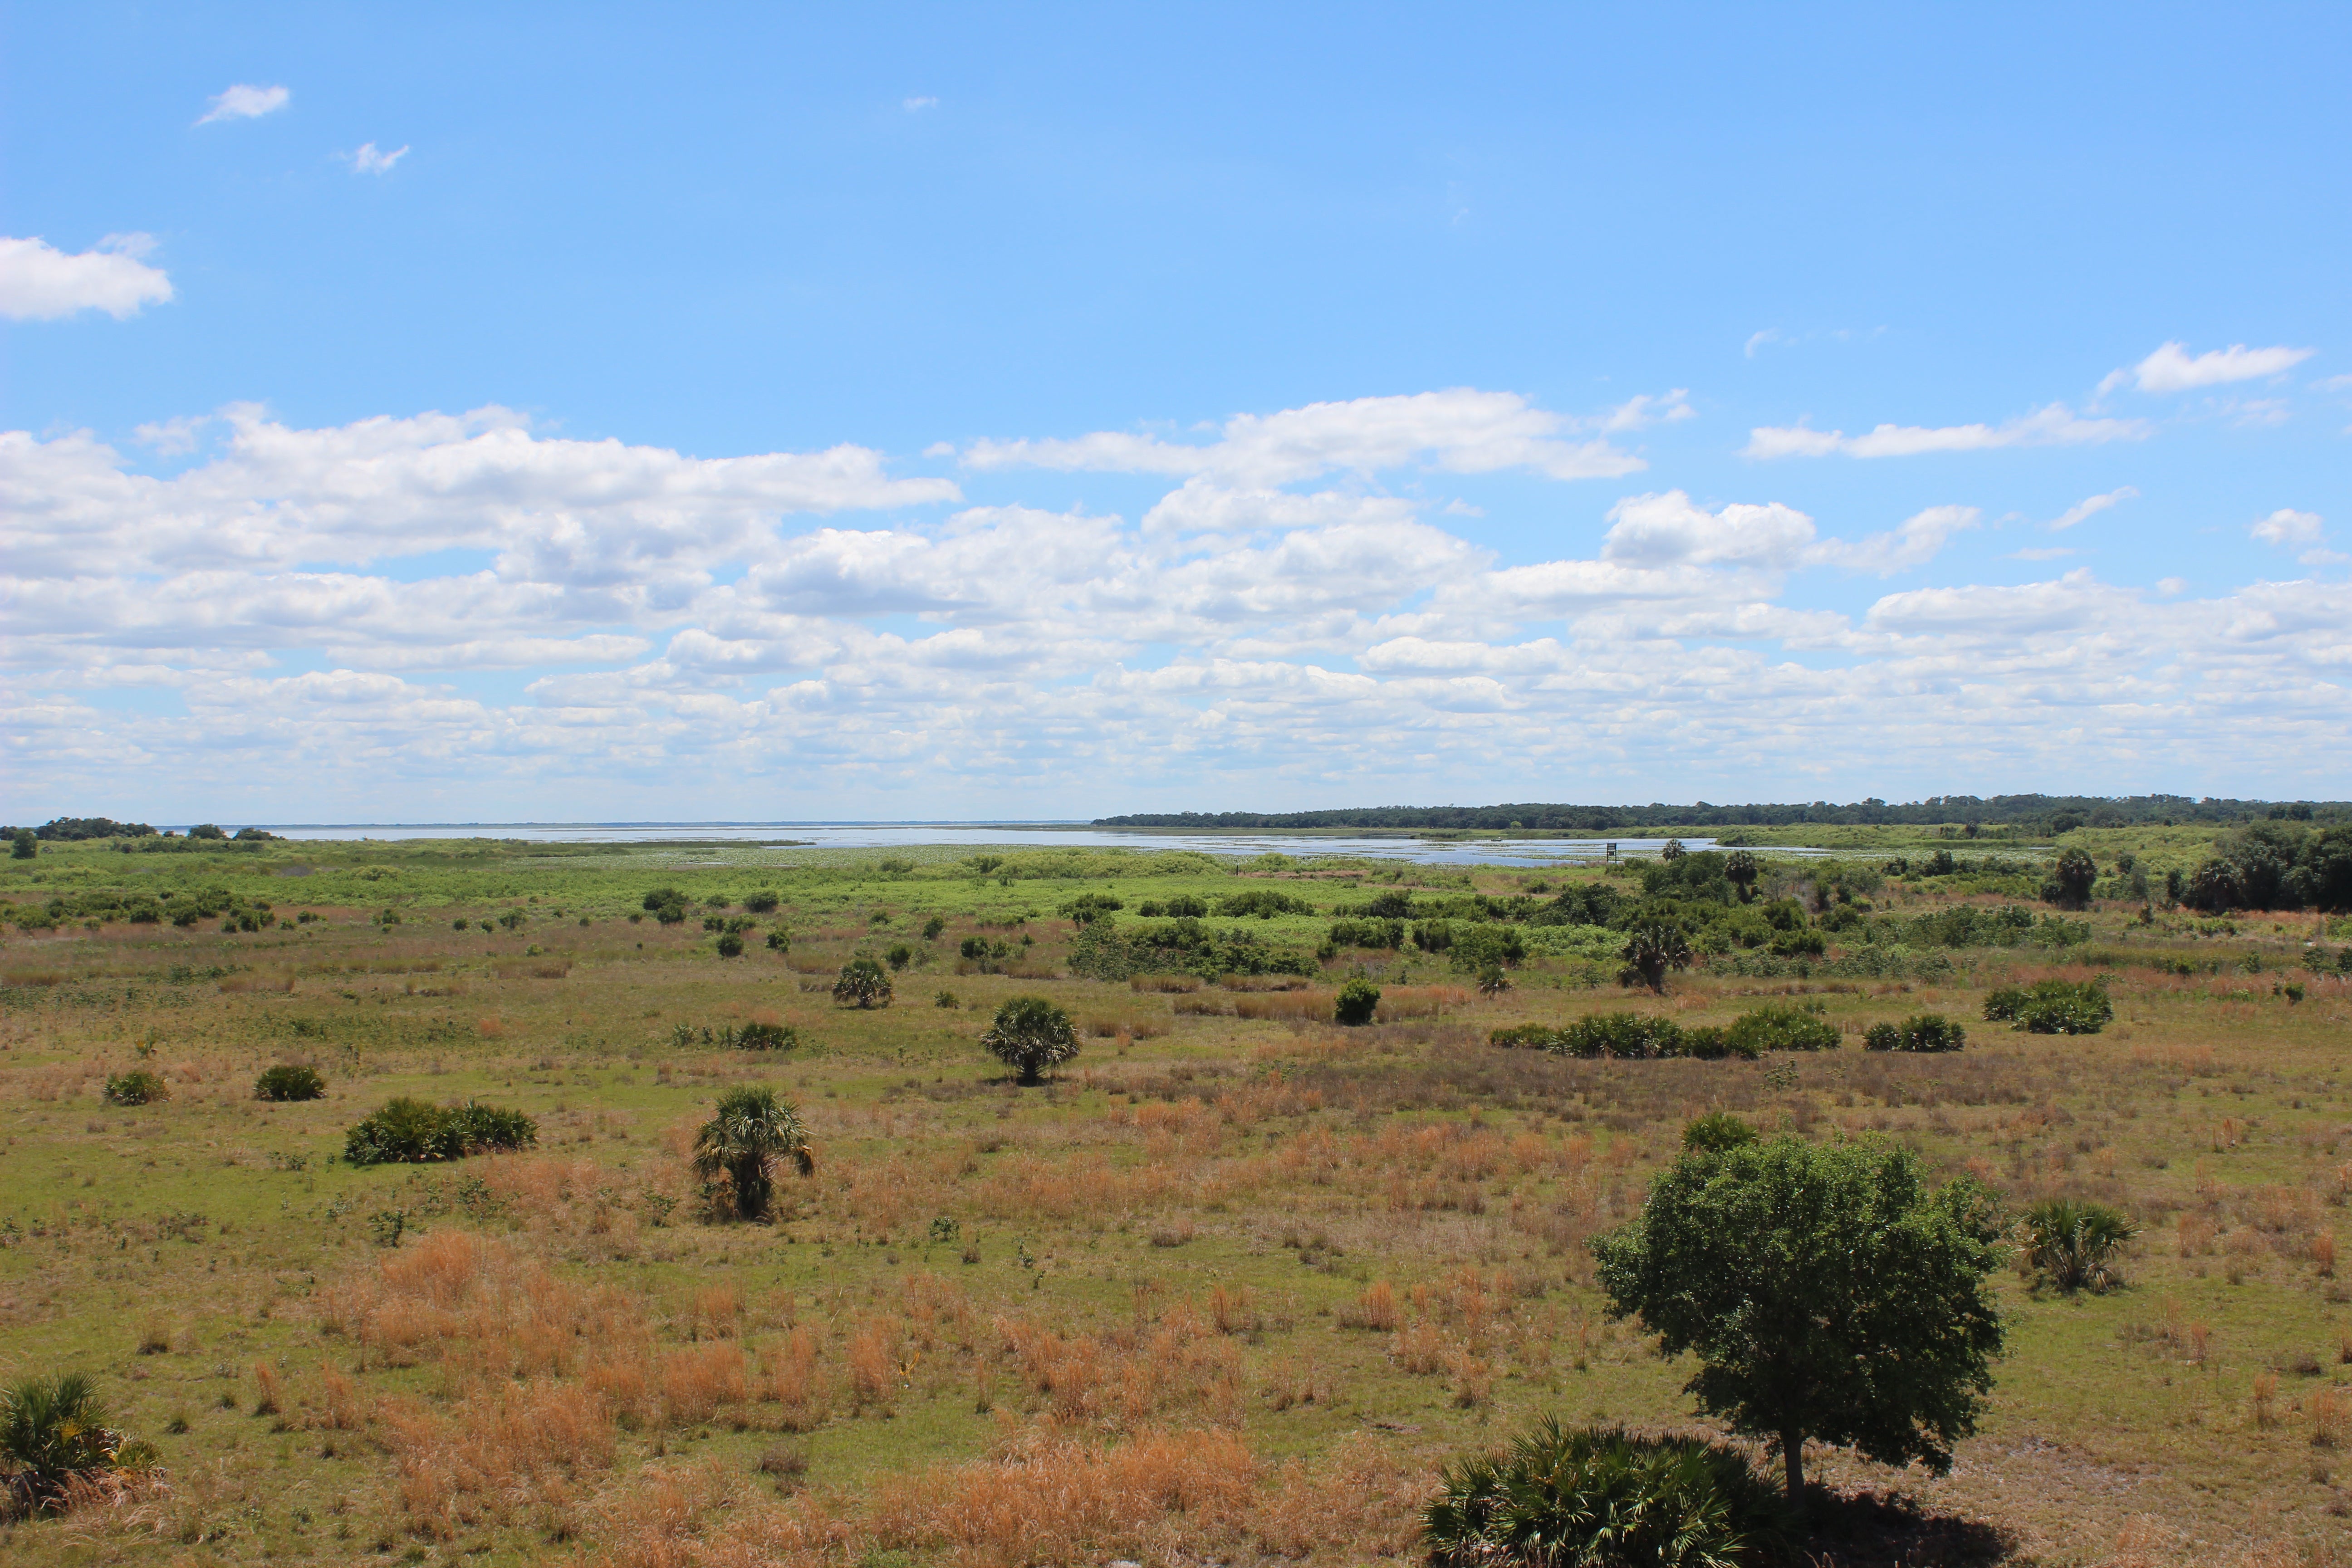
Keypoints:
(460, 608)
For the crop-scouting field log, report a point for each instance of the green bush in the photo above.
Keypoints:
(1774, 1027)
(2053, 1007)
(1920, 1032)
(289, 1081)
(779, 942)
(763, 902)
(731, 945)
(1264, 902)
(933, 927)
(1631, 1036)
(900, 956)
(1598, 1498)
(2072, 1245)
(1367, 934)
(1715, 1131)
(1358, 1002)
(667, 905)
(1524, 1037)
(137, 1087)
(410, 1131)
(758, 1037)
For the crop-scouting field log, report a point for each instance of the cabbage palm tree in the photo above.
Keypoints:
(751, 1133)
(1029, 1035)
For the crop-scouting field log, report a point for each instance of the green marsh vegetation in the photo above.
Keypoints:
(1288, 1269)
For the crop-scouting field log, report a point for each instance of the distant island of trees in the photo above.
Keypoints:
(2044, 813)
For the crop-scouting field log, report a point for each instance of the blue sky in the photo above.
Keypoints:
(933, 411)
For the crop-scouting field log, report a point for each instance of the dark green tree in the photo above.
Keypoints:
(1358, 1002)
(23, 844)
(2070, 881)
(1828, 1290)
(750, 1132)
(1029, 1035)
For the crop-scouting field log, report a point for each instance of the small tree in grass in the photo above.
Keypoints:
(2069, 881)
(1358, 1002)
(1829, 1291)
(863, 982)
(1742, 869)
(1029, 1035)
(1652, 949)
(750, 1132)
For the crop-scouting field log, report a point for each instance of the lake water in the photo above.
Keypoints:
(1016, 836)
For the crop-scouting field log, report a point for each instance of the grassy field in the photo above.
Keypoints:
(1230, 1288)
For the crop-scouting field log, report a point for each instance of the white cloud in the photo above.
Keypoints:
(244, 103)
(727, 636)
(1461, 431)
(1758, 339)
(1641, 413)
(2172, 368)
(2056, 425)
(1917, 541)
(2287, 528)
(2091, 506)
(367, 159)
(39, 283)
(917, 105)
(1668, 531)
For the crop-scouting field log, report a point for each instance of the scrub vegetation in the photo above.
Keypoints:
(478, 1202)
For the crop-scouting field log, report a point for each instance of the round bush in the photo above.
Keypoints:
(1920, 1032)
(1774, 1027)
(1715, 1131)
(289, 1081)
(863, 982)
(137, 1087)
(1359, 1001)
(731, 945)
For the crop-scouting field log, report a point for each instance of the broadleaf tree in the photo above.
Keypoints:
(1829, 1292)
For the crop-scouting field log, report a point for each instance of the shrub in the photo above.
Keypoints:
(863, 982)
(1367, 933)
(759, 1037)
(410, 1131)
(2069, 881)
(1600, 1496)
(1632, 1035)
(1920, 1032)
(763, 902)
(731, 945)
(53, 1432)
(900, 956)
(1715, 1131)
(289, 1081)
(933, 927)
(1264, 902)
(667, 905)
(1029, 1035)
(1774, 1027)
(1524, 1037)
(2071, 1245)
(2052, 1007)
(137, 1087)
(779, 942)
(1358, 1001)
(945, 999)
(750, 1131)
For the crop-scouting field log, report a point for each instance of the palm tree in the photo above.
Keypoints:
(751, 1133)
(1029, 1035)
(2072, 1245)
(862, 982)
(53, 1430)
(1651, 949)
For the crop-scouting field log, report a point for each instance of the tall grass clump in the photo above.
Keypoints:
(1597, 1497)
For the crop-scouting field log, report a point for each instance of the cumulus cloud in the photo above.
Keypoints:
(2055, 426)
(2172, 368)
(245, 102)
(367, 159)
(789, 622)
(2288, 527)
(2090, 507)
(1461, 431)
(39, 283)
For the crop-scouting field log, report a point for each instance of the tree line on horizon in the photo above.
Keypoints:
(2052, 814)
